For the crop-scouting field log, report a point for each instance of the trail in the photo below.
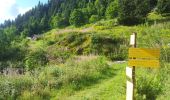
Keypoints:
(112, 88)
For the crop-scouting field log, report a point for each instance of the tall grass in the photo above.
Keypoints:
(74, 74)
(12, 87)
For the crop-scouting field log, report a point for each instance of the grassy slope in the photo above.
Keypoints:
(114, 88)
(108, 89)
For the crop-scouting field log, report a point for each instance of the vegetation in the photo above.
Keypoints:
(74, 75)
(68, 49)
(62, 13)
(163, 6)
(77, 18)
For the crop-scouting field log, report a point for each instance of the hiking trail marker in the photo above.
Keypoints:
(139, 57)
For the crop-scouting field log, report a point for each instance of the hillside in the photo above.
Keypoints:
(68, 54)
(65, 50)
(105, 32)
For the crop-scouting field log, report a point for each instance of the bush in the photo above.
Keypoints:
(94, 18)
(11, 88)
(36, 59)
(149, 88)
(58, 54)
(153, 16)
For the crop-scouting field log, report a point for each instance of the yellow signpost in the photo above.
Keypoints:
(143, 57)
(139, 57)
(144, 53)
(144, 63)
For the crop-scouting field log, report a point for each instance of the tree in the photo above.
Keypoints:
(44, 24)
(99, 4)
(58, 21)
(112, 10)
(8, 48)
(133, 11)
(127, 11)
(4, 45)
(10, 33)
(77, 18)
(91, 9)
(163, 6)
(153, 3)
(142, 8)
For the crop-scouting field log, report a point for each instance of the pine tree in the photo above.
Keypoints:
(163, 6)
(100, 8)
(77, 18)
(133, 11)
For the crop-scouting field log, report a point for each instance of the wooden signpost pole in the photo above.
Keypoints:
(133, 69)
(130, 72)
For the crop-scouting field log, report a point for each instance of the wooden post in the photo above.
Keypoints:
(130, 73)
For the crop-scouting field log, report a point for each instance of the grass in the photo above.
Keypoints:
(107, 89)
(166, 90)
(79, 41)
(110, 85)
(72, 75)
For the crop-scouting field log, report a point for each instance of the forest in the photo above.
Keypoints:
(78, 50)
(62, 13)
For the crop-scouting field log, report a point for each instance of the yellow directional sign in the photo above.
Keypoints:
(144, 63)
(144, 53)
(142, 57)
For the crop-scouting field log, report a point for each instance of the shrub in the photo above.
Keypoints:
(36, 59)
(11, 88)
(94, 18)
(49, 74)
(154, 16)
(58, 54)
(149, 88)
